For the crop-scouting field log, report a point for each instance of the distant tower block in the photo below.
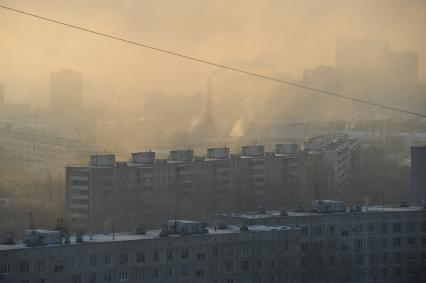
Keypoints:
(418, 172)
(66, 92)
(209, 105)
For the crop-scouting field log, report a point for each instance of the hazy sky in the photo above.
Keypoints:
(272, 37)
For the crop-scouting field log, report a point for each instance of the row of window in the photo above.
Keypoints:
(411, 227)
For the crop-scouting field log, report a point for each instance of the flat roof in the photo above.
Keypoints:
(152, 234)
(292, 213)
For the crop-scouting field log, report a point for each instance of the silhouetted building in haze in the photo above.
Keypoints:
(66, 92)
(418, 172)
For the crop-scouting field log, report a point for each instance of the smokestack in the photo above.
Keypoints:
(2, 95)
(209, 104)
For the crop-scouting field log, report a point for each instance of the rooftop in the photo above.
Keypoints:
(295, 213)
(150, 235)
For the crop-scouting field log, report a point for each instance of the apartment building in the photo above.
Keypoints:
(385, 243)
(183, 251)
(341, 159)
(106, 191)
(36, 154)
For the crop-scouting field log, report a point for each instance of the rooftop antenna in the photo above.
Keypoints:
(113, 228)
(31, 224)
(383, 200)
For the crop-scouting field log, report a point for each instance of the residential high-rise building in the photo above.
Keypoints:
(184, 185)
(66, 92)
(383, 243)
(183, 251)
(418, 173)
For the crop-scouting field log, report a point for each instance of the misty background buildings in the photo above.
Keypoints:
(139, 166)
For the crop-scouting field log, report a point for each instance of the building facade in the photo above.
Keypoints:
(418, 173)
(359, 244)
(254, 254)
(107, 190)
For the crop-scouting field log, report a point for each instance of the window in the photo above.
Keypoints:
(92, 277)
(24, 267)
(384, 227)
(200, 273)
(411, 242)
(215, 267)
(411, 259)
(5, 268)
(359, 259)
(184, 254)
(370, 228)
(396, 242)
(371, 243)
(397, 257)
(42, 280)
(384, 242)
(230, 280)
(140, 274)
(41, 265)
(304, 247)
(411, 227)
(359, 244)
(123, 276)
(184, 270)
(229, 251)
(107, 260)
(169, 271)
(124, 259)
(229, 266)
(140, 257)
(396, 227)
(156, 256)
(344, 233)
(155, 273)
(92, 260)
(76, 262)
(58, 268)
(215, 252)
(76, 278)
(371, 259)
(318, 230)
(245, 250)
(169, 255)
(358, 228)
(305, 231)
(318, 245)
(245, 266)
(201, 256)
(384, 257)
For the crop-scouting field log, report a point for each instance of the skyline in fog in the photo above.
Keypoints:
(274, 38)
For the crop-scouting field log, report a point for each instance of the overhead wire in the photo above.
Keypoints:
(211, 63)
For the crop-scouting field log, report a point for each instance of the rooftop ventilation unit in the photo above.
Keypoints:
(244, 228)
(102, 160)
(8, 239)
(283, 212)
(403, 202)
(140, 229)
(147, 157)
(79, 237)
(33, 238)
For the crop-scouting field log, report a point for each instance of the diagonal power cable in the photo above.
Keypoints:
(204, 61)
